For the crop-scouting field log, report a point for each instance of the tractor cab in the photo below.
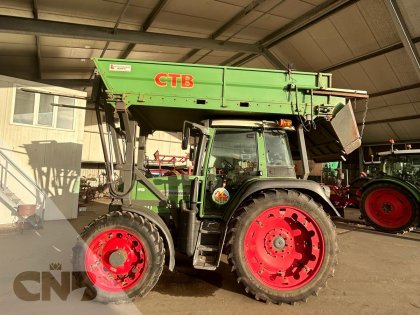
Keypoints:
(404, 164)
(229, 153)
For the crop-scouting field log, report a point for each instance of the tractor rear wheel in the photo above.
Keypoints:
(282, 246)
(119, 256)
(389, 208)
(355, 190)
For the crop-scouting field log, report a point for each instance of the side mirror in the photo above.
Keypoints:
(186, 137)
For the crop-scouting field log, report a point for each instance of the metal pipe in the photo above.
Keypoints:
(191, 214)
(404, 34)
(303, 152)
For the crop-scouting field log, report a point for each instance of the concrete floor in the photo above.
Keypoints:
(377, 274)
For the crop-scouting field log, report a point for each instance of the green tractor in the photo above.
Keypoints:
(390, 201)
(243, 128)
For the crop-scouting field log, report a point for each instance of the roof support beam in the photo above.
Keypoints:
(312, 17)
(364, 57)
(149, 21)
(232, 59)
(373, 54)
(153, 15)
(127, 51)
(404, 34)
(37, 41)
(19, 25)
(390, 120)
(244, 60)
(345, 63)
(117, 23)
(274, 60)
(395, 90)
(373, 144)
(250, 7)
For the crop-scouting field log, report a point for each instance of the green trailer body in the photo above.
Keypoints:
(242, 196)
(156, 92)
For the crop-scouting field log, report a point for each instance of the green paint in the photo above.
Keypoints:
(160, 96)
(175, 188)
(224, 89)
(262, 160)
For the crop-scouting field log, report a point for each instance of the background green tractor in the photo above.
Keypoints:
(391, 199)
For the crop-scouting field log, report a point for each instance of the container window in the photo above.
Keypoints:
(279, 158)
(65, 115)
(24, 107)
(45, 112)
(37, 109)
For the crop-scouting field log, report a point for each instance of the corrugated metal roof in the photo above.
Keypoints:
(343, 41)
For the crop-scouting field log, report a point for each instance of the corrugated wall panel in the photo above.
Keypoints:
(356, 77)
(406, 130)
(353, 28)
(330, 41)
(309, 49)
(411, 15)
(379, 21)
(378, 133)
(380, 72)
(402, 67)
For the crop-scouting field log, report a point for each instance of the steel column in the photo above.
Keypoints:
(404, 34)
(37, 40)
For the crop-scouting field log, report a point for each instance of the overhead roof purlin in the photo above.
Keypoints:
(149, 20)
(21, 25)
(314, 15)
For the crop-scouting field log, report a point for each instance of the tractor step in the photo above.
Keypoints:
(208, 247)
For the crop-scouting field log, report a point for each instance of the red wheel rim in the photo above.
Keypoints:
(388, 208)
(115, 260)
(284, 248)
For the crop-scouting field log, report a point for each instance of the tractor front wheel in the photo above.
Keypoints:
(389, 208)
(119, 256)
(282, 246)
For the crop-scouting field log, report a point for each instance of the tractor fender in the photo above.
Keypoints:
(310, 188)
(413, 190)
(161, 225)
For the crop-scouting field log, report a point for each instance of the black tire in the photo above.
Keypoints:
(376, 216)
(153, 248)
(241, 223)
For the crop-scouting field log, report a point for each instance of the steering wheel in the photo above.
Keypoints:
(227, 166)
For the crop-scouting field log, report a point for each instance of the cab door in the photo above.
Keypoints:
(232, 160)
